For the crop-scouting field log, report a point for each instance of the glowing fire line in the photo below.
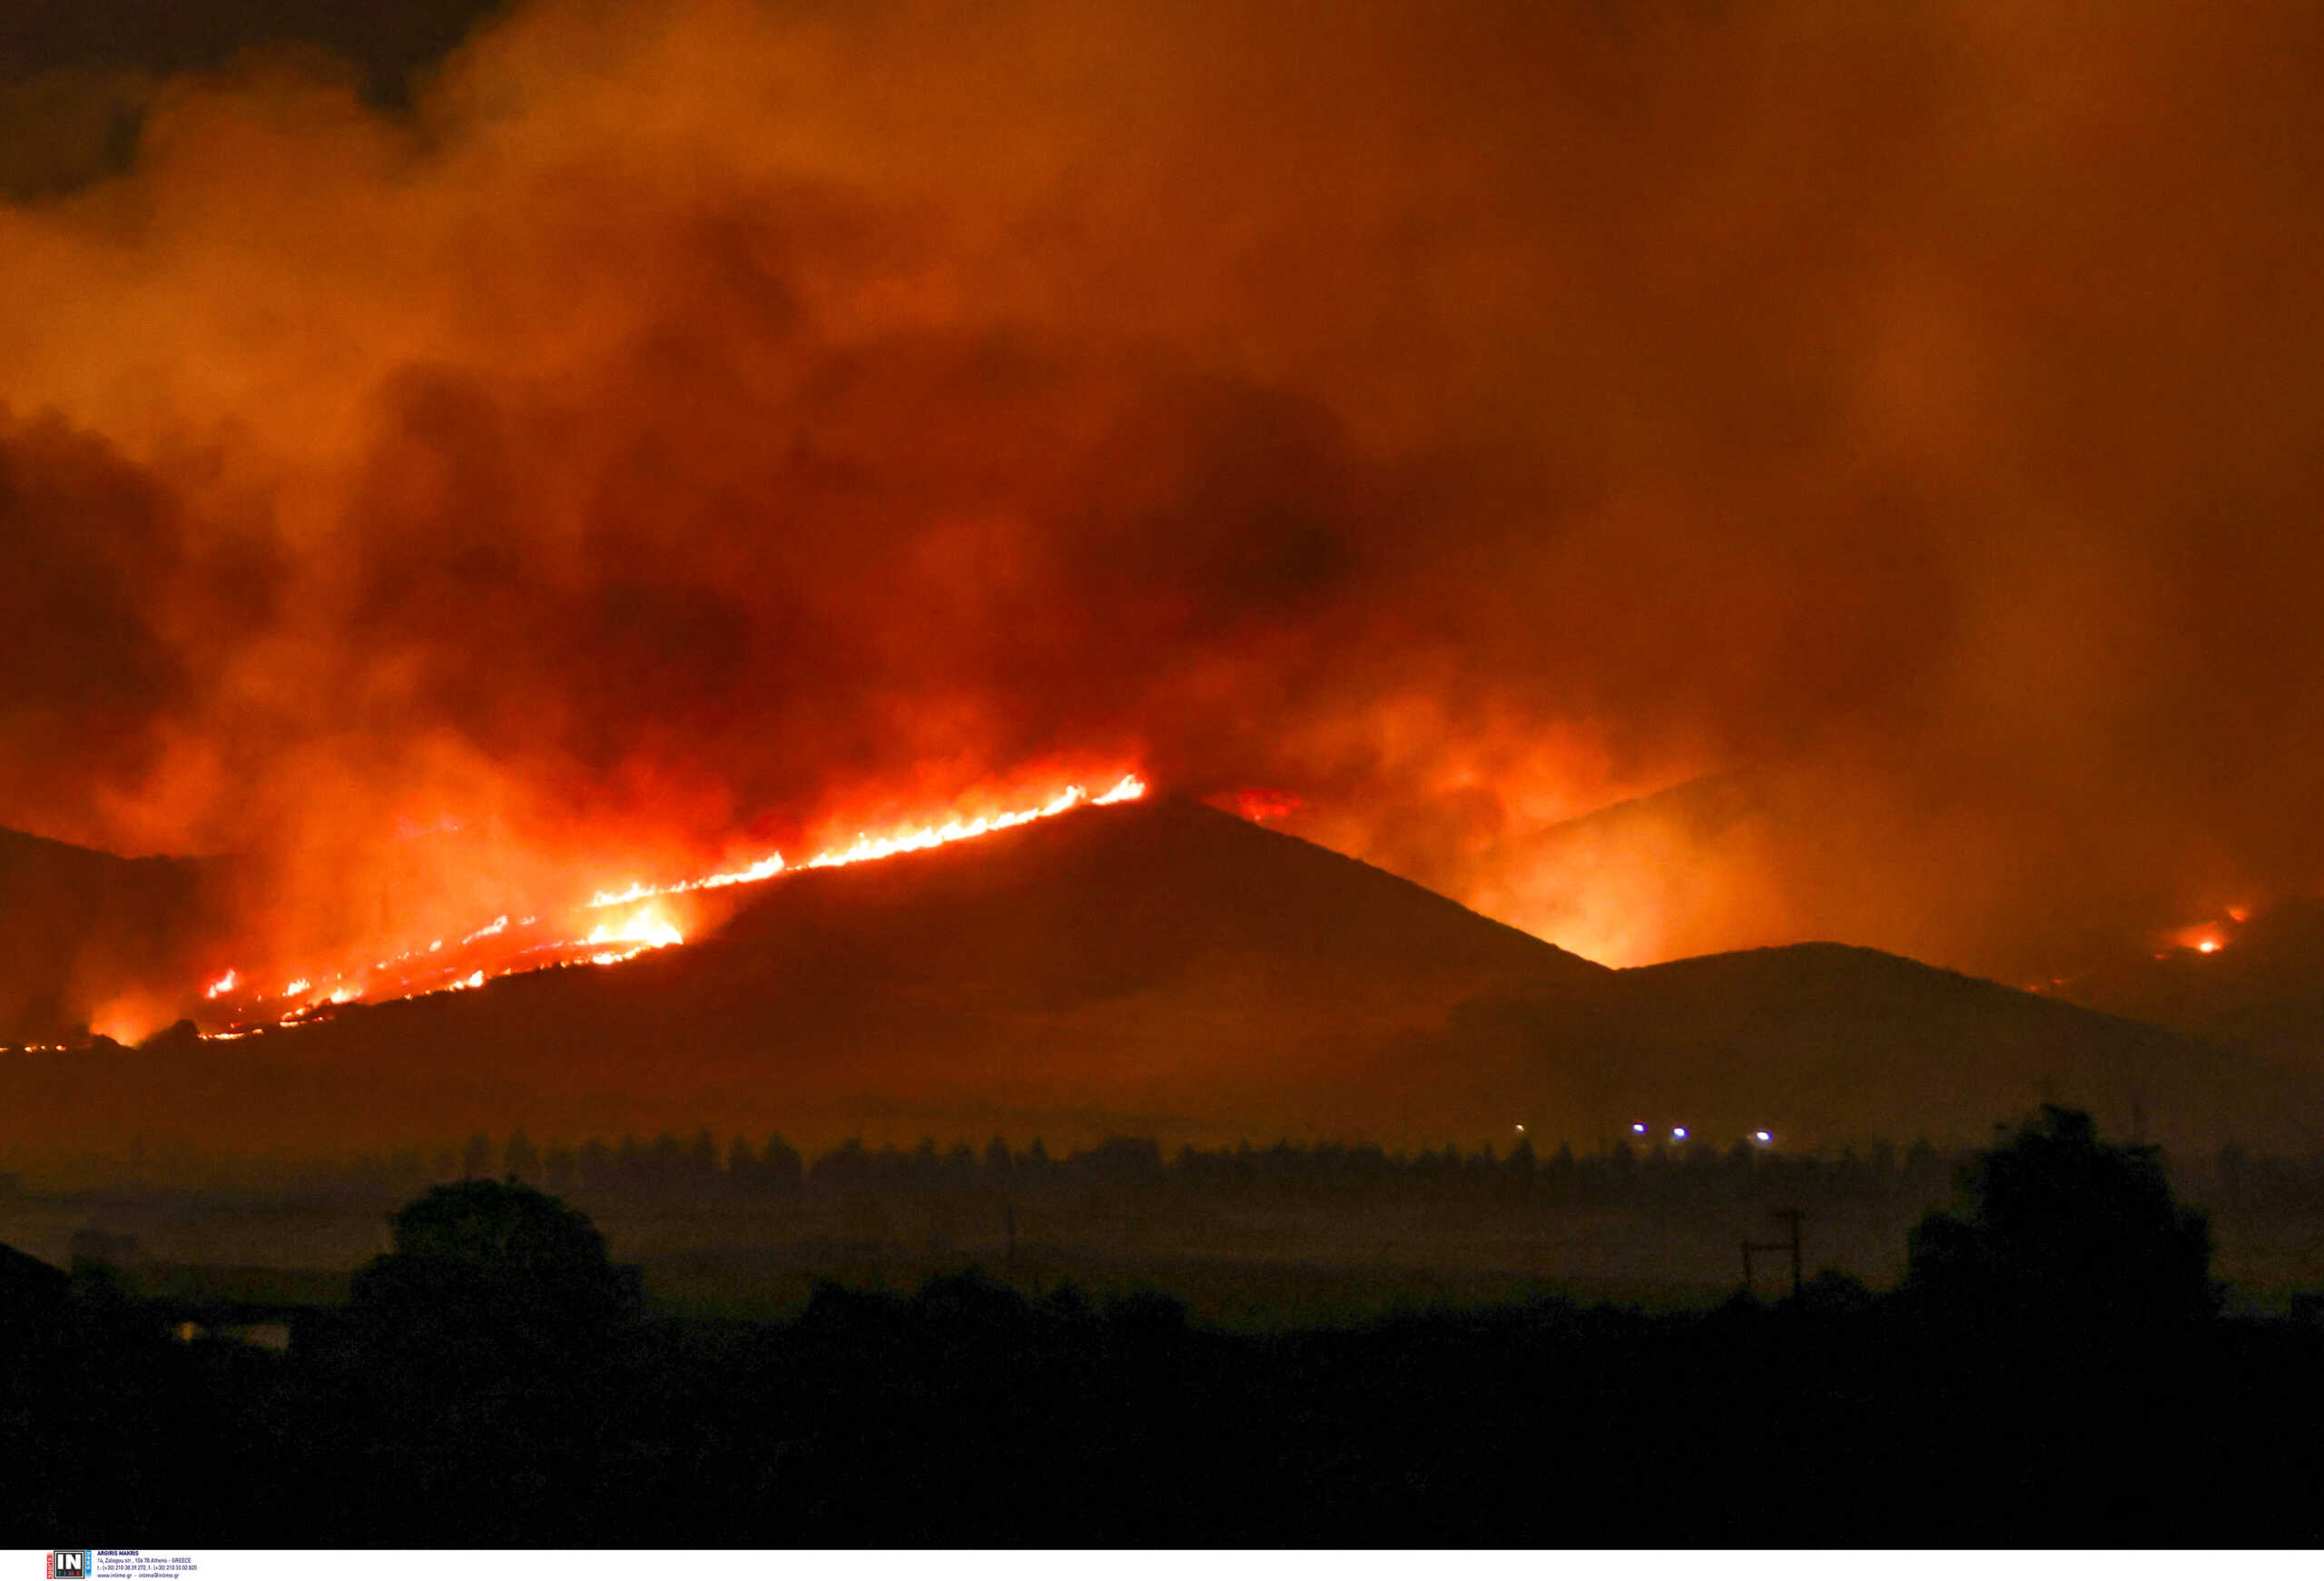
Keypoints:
(611, 943)
(1128, 788)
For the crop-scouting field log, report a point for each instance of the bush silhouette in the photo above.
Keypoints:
(2063, 1228)
(495, 1260)
(475, 1370)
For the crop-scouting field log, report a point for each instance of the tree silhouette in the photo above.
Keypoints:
(784, 1168)
(475, 1370)
(2063, 1228)
(742, 1162)
(493, 1257)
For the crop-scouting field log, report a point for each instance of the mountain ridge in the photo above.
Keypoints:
(1174, 968)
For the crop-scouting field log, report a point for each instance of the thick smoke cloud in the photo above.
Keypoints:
(686, 426)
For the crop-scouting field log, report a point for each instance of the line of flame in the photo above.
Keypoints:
(648, 931)
(1128, 788)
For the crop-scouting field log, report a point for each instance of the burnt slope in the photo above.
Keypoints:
(1126, 898)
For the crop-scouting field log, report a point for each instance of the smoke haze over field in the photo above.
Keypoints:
(677, 428)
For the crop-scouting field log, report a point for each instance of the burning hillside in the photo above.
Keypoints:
(1149, 967)
(612, 926)
(1139, 965)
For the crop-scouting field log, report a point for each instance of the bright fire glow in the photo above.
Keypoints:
(871, 848)
(647, 927)
(535, 943)
(2203, 938)
(1258, 803)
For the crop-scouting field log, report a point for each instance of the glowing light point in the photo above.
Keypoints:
(1678, 1134)
(1763, 1136)
(1639, 1128)
(298, 986)
(2207, 947)
(225, 985)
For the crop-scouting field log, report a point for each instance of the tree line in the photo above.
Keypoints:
(2054, 1368)
(744, 1167)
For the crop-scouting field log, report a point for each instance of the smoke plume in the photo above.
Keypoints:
(684, 428)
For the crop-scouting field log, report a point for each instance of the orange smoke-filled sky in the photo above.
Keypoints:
(651, 430)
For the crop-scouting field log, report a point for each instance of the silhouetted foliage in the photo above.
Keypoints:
(784, 1168)
(495, 1257)
(2063, 1228)
(493, 1380)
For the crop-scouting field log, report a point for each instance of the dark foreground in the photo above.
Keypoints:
(971, 1414)
(2054, 1368)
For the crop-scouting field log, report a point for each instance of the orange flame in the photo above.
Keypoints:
(2203, 938)
(868, 848)
(524, 948)
(647, 927)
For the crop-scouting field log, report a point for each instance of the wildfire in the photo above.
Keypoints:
(647, 927)
(2207, 938)
(1258, 803)
(868, 848)
(530, 944)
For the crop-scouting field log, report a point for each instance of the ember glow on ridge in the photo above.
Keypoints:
(532, 945)
(868, 848)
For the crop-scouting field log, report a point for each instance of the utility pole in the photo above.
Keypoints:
(1791, 1216)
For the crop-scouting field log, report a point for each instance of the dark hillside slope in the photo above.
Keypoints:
(1164, 969)
(1830, 1044)
(2262, 994)
(1155, 968)
(78, 926)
